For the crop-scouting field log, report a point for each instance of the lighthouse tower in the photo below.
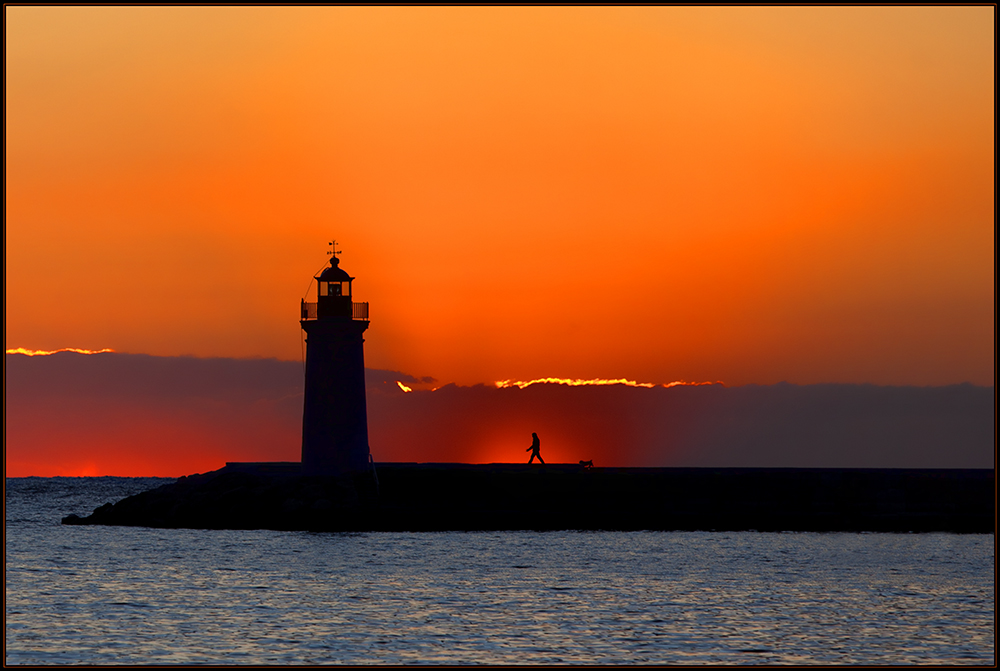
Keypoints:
(335, 416)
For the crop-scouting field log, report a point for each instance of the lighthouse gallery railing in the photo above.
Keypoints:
(359, 311)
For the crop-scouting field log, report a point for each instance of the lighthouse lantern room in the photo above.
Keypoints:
(334, 299)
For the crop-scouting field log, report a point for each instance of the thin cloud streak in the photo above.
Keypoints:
(42, 352)
(598, 382)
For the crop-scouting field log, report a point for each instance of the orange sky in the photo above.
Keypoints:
(655, 193)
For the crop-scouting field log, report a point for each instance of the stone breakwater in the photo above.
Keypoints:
(439, 497)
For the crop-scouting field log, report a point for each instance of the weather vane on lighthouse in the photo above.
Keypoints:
(333, 250)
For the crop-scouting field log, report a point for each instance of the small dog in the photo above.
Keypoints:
(587, 464)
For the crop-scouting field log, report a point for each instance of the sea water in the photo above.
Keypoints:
(117, 595)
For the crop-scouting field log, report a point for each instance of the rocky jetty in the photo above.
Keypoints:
(438, 497)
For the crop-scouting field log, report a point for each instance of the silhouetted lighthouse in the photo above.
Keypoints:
(335, 416)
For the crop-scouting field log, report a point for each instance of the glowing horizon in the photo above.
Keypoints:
(142, 415)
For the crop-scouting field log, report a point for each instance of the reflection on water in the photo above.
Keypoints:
(115, 595)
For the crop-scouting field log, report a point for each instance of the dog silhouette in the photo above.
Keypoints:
(587, 464)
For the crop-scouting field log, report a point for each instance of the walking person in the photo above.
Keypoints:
(535, 446)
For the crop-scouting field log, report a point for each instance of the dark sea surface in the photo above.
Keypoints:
(114, 595)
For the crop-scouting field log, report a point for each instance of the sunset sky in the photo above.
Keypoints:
(656, 193)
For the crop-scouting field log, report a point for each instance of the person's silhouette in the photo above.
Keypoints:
(535, 446)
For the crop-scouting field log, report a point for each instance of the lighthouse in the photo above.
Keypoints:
(335, 415)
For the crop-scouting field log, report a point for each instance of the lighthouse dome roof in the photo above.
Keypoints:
(334, 273)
